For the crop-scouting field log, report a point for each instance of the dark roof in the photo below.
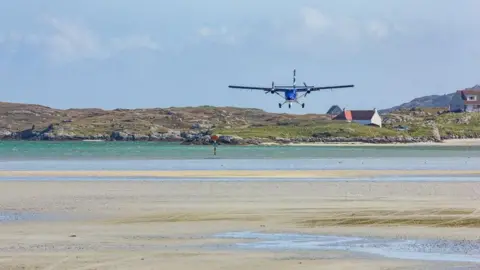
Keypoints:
(355, 115)
(362, 114)
(344, 115)
(335, 109)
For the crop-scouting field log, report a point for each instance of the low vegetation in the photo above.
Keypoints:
(27, 121)
(404, 123)
(308, 129)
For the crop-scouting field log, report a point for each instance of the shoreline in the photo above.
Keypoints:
(449, 142)
(445, 142)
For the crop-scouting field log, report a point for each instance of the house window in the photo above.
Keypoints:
(472, 98)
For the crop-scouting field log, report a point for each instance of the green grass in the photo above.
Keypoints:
(448, 124)
(325, 129)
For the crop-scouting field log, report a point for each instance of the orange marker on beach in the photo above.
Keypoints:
(214, 139)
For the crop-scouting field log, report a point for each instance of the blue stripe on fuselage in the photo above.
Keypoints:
(291, 94)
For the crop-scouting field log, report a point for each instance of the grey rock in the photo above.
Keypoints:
(5, 134)
(201, 126)
(48, 136)
(119, 136)
(230, 139)
(436, 133)
(140, 137)
(283, 140)
(171, 135)
(465, 119)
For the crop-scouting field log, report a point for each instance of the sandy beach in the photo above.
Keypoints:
(450, 142)
(293, 174)
(162, 225)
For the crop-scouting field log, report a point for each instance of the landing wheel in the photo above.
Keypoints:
(303, 105)
(280, 105)
(289, 106)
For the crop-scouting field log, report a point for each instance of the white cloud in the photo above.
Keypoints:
(71, 41)
(378, 29)
(316, 23)
(315, 20)
(315, 29)
(206, 32)
(221, 34)
(15, 38)
(67, 41)
(131, 42)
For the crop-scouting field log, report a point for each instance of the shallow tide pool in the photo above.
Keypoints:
(418, 249)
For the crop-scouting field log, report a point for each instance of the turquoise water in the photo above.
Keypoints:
(41, 155)
(42, 150)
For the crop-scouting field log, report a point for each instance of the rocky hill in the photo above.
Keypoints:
(194, 125)
(36, 122)
(432, 101)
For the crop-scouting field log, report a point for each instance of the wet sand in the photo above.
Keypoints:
(163, 225)
(239, 173)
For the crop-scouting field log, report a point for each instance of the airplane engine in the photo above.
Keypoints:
(308, 89)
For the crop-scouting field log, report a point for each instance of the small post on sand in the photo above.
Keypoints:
(214, 139)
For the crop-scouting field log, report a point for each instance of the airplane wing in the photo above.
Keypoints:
(257, 88)
(305, 89)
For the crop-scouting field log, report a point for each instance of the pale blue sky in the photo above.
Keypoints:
(147, 53)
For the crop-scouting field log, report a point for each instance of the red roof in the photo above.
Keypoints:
(475, 92)
(471, 102)
(470, 92)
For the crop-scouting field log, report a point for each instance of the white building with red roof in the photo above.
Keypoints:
(363, 117)
(467, 100)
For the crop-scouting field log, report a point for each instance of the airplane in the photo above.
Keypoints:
(290, 92)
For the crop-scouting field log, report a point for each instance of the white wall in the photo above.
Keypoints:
(471, 97)
(377, 119)
(471, 108)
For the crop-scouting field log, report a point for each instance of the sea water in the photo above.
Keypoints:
(39, 150)
(44, 155)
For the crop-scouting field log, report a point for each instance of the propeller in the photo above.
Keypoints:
(273, 88)
(308, 88)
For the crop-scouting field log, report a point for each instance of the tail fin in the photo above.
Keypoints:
(294, 73)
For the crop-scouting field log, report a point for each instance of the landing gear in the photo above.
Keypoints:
(280, 105)
(303, 105)
(289, 105)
